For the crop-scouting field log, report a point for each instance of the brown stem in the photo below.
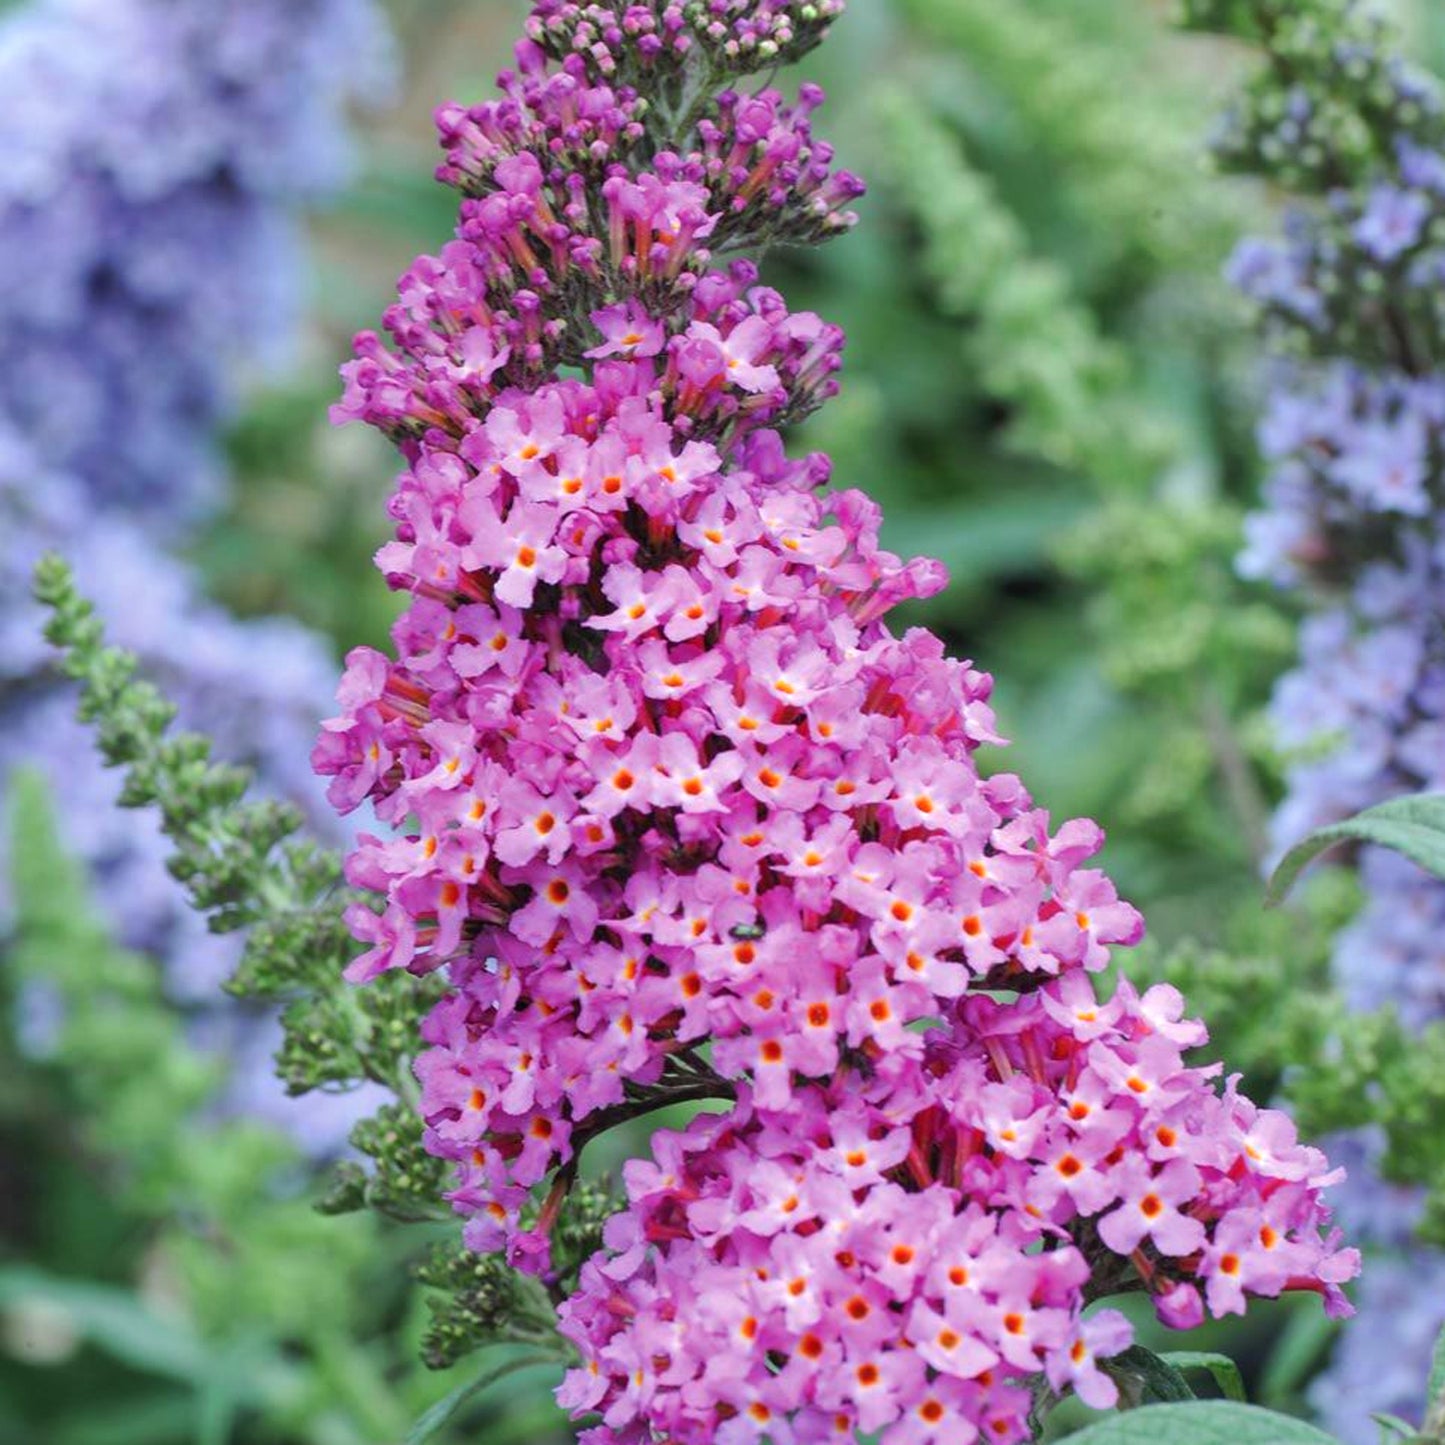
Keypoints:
(1240, 783)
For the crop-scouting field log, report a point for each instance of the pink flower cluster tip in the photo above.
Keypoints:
(680, 818)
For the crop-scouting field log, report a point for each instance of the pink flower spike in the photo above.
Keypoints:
(392, 936)
(522, 548)
(673, 812)
(740, 351)
(531, 823)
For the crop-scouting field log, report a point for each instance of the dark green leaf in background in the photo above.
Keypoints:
(1225, 1372)
(1201, 1422)
(1414, 826)
(447, 1407)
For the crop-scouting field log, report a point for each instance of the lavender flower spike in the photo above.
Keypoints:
(157, 156)
(156, 153)
(1354, 521)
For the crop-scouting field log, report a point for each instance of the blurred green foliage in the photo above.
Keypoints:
(169, 1279)
(1078, 449)
(1049, 387)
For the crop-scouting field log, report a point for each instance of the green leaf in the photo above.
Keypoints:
(1225, 1371)
(243, 1373)
(1433, 1430)
(168, 1419)
(1414, 826)
(1145, 1378)
(1437, 1370)
(1392, 1427)
(113, 1320)
(448, 1405)
(216, 1412)
(1201, 1422)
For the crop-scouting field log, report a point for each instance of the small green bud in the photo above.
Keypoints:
(346, 1191)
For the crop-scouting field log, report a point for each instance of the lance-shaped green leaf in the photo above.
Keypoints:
(1225, 1371)
(1392, 1427)
(1437, 1368)
(446, 1408)
(1414, 826)
(1433, 1430)
(1201, 1422)
(1145, 1378)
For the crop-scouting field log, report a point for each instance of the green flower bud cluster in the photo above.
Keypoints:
(480, 1300)
(1382, 1074)
(1333, 98)
(206, 1208)
(1265, 987)
(405, 1182)
(243, 864)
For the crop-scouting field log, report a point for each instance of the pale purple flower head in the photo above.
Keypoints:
(1392, 221)
(157, 152)
(1354, 430)
(167, 235)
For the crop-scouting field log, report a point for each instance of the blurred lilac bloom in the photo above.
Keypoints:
(159, 154)
(1352, 518)
(1273, 274)
(1392, 222)
(1421, 167)
(1385, 466)
(1381, 1359)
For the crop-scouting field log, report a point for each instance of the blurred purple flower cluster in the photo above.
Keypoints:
(158, 156)
(157, 151)
(1380, 1362)
(1354, 431)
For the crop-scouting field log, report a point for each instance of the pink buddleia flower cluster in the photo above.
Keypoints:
(905, 1250)
(744, 35)
(680, 818)
(570, 196)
